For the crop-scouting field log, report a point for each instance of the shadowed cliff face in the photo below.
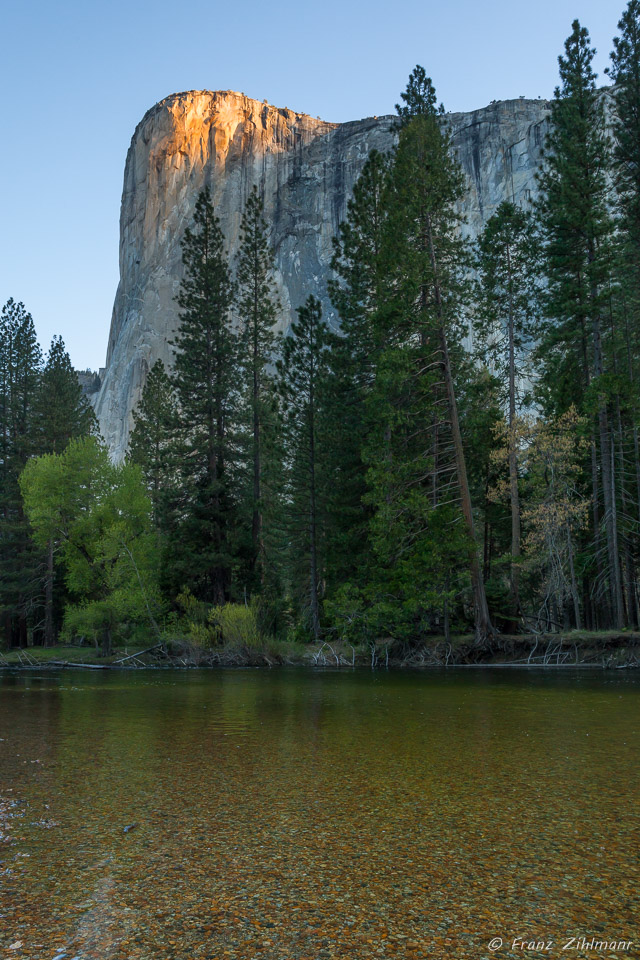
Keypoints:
(305, 168)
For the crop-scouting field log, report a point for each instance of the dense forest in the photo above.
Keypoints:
(381, 479)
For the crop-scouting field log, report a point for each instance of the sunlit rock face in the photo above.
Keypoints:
(305, 169)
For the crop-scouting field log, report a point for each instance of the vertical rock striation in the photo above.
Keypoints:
(306, 170)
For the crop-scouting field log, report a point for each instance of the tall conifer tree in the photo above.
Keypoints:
(357, 294)
(577, 230)
(61, 412)
(206, 383)
(625, 74)
(154, 442)
(421, 321)
(302, 374)
(257, 306)
(20, 363)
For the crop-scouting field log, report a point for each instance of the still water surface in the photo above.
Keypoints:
(293, 815)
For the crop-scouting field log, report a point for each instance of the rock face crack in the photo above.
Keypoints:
(306, 169)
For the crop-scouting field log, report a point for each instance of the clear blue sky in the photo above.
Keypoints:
(76, 77)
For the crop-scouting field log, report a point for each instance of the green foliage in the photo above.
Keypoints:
(411, 476)
(60, 411)
(101, 515)
(576, 226)
(357, 294)
(231, 625)
(236, 625)
(625, 74)
(419, 98)
(154, 441)
(302, 372)
(578, 351)
(41, 409)
(258, 309)
(508, 296)
(401, 292)
(20, 365)
(206, 384)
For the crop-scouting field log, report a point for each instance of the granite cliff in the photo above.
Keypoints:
(306, 170)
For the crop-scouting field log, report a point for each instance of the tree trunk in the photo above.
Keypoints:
(513, 456)
(313, 554)
(607, 466)
(611, 527)
(48, 598)
(256, 522)
(486, 535)
(595, 504)
(483, 625)
(447, 625)
(628, 564)
(574, 585)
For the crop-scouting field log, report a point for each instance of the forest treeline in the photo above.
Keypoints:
(378, 478)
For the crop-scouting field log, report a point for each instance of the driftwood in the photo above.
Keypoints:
(138, 653)
(66, 663)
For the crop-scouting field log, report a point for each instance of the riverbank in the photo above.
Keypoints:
(604, 649)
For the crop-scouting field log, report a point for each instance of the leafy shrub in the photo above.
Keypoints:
(236, 625)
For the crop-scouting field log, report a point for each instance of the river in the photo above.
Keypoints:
(300, 815)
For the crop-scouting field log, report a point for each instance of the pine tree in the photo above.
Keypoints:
(421, 325)
(20, 363)
(302, 372)
(508, 298)
(60, 413)
(419, 98)
(625, 74)
(481, 403)
(153, 442)
(206, 383)
(577, 230)
(257, 307)
(357, 295)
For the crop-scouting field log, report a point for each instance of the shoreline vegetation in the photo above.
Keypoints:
(605, 649)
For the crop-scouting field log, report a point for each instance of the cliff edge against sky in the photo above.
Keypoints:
(305, 168)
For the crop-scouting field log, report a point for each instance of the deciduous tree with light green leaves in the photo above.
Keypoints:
(100, 513)
(60, 413)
